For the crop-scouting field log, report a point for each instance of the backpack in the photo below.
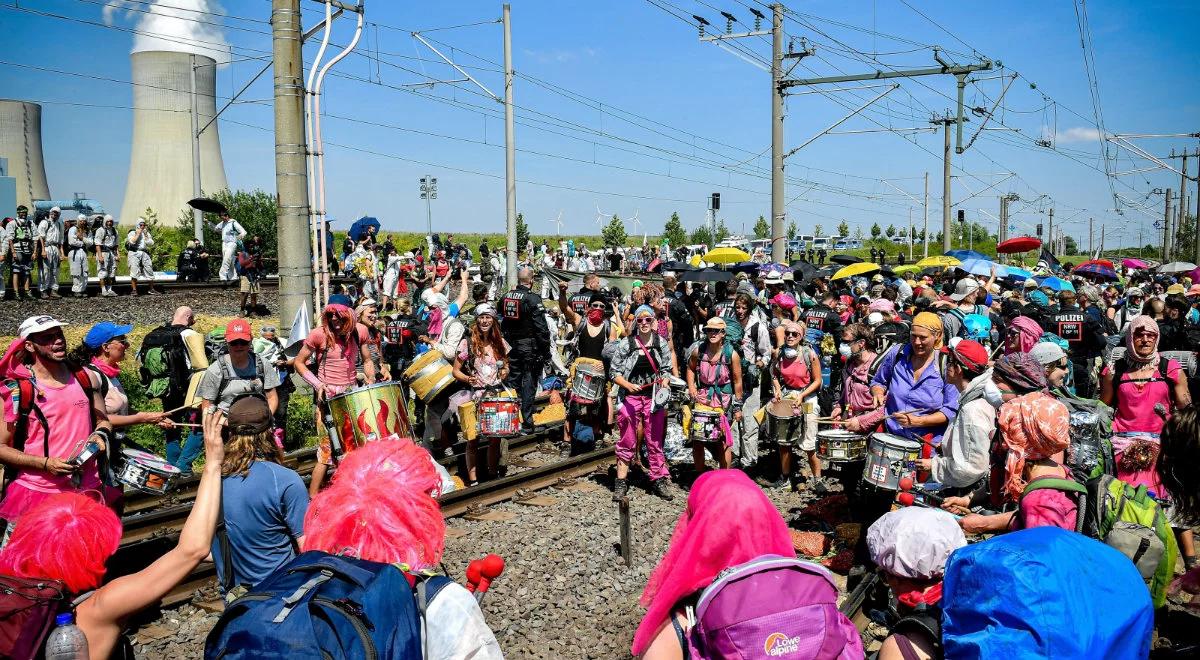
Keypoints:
(326, 606)
(1090, 451)
(214, 344)
(1127, 519)
(228, 373)
(962, 318)
(162, 363)
(28, 608)
(772, 607)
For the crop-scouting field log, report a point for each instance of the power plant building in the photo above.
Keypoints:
(21, 144)
(160, 164)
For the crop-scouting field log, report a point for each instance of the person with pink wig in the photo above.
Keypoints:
(70, 536)
(728, 522)
(380, 508)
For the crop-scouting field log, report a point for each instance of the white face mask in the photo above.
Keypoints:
(790, 352)
(844, 350)
(992, 394)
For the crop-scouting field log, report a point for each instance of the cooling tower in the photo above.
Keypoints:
(21, 144)
(160, 161)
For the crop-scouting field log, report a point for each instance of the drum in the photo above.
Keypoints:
(889, 459)
(706, 424)
(499, 416)
(838, 445)
(145, 472)
(679, 392)
(367, 414)
(429, 375)
(587, 385)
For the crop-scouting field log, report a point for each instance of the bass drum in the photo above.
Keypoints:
(370, 413)
(890, 458)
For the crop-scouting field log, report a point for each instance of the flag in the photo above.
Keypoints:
(300, 327)
(1050, 260)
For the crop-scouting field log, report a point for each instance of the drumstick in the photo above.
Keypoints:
(175, 410)
(183, 424)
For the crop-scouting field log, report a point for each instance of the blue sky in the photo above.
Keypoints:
(702, 114)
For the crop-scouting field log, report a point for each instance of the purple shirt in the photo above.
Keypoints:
(925, 395)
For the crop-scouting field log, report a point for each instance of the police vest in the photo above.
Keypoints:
(580, 301)
(723, 308)
(393, 331)
(817, 318)
(1069, 325)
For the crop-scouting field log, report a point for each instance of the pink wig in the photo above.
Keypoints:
(66, 537)
(379, 508)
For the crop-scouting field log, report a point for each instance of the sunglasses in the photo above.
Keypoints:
(714, 331)
(599, 306)
(646, 320)
(239, 342)
(791, 334)
(1060, 365)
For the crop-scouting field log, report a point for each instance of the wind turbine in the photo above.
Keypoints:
(558, 224)
(636, 223)
(601, 216)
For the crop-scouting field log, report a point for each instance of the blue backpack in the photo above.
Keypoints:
(325, 606)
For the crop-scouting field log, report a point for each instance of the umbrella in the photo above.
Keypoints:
(983, 267)
(906, 268)
(677, 266)
(706, 275)
(726, 255)
(695, 261)
(1018, 274)
(1099, 262)
(1134, 263)
(1095, 270)
(805, 270)
(964, 255)
(845, 259)
(360, 227)
(1018, 244)
(776, 267)
(1176, 267)
(206, 205)
(1055, 283)
(742, 267)
(855, 269)
(938, 262)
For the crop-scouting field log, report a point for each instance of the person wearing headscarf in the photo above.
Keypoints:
(1023, 333)
(728, 521)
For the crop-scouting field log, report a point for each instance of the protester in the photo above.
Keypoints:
(714, 379)
(963, 459)
(50, 235)
(105, 242)
(231, 232)
(481, 365)
(20, 238)
(137, 251)
(78, 242)
(795, 376)
(101, 353)
(637, 364)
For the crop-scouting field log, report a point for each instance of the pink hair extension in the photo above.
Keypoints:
(379, 508)
(67, 537)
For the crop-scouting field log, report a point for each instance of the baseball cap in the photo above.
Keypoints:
(969, 353)
(340, 299)
(249, 415)
(1134, 291)
(964, 288)
(36, 324)
(103, 332)
(1047, 352)
(238, 329)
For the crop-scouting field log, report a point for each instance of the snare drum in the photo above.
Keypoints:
(706, 424)
(370, 413)
(429, 375)
(838, 445)
(499, 416)
(145, 472)
(587, 384)
(889, 459)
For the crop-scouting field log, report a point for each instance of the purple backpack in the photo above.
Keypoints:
(773, 607)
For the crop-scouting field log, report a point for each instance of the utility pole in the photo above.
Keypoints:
(1050, 232)
(946, 123)
(910, 233)
(1166, 225)
(197, 216)
(1090, 247)
(925, 232)
(1183, 205)
(291, 174)
(510, 157)
(778, 210)
(1185, 202)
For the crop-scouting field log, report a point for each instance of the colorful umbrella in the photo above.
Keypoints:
(1018, 274)
(1099, 262)
(1134, 263)
(1095, 270)
(983, 267)
(726, 255)
(964, 255)
(938, 262)
(1176, 267)
(845, 259)
(1018, 244)
(855, 269)
(776, 267)
(1055, 283)
(906, 268)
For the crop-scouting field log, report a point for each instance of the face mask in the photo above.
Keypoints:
(790, 353)
(992, 394)
(595, 316)
(844, 350)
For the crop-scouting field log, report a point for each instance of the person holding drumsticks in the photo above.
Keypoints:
(481, 363)
(796, 375)
(637, 363)
(591, 334)
(714, 379)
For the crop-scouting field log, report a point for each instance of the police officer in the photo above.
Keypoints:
(1084, 335)
(582, 298)
(524, 327)
(874, 255)
(22, 243)
(823, 317)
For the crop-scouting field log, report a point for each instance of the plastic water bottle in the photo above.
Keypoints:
(66, 641)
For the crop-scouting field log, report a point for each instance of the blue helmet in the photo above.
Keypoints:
(978, 327)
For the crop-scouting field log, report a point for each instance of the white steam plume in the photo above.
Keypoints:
(185, 26)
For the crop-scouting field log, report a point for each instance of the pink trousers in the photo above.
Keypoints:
(635, 410)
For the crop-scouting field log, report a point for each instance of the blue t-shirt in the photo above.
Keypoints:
(264, 513)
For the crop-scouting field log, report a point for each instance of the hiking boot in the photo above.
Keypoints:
(620, 490)
(660, 488)
(53, 296)
(781, 482)
(151, 292)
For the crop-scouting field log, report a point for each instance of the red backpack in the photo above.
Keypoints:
(23, 394)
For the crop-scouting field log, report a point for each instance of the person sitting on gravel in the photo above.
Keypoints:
(380, 508)
(911, 546)
(70, 537)
(729, 523)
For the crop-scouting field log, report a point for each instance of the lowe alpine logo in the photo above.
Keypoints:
(779, 644)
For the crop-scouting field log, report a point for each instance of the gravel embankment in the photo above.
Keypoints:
(142, 310)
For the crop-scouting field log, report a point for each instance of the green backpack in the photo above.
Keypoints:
(162, 363)
(1127, 519)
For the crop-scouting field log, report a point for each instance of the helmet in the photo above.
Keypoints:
(978, 327)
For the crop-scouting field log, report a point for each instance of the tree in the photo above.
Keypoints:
(875, 231)
(722, 232)
(522, 232)
(792, 230)
(891, 231)
(614, 234)
(817, 231)
(256, 211)
(702, 236)
(761, 228)
(1070, 245)
(843, 228)
(673, 231)
(858, 233)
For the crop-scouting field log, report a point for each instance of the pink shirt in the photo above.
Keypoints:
(337, 366)
(856, 388)
(68, 412)
(795, 374)
(1046, 507)
(1135, 401)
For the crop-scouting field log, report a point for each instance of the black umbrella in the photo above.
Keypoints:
(805, 270)
(678, 266)
(743, 267)
(887, 272)
(845, 259)
(706, 275)
(206, 205)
